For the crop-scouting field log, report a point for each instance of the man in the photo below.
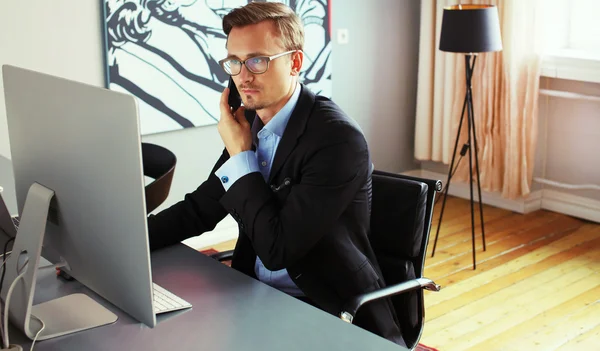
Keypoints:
(295, 175)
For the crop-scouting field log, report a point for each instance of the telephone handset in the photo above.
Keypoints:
(234, 100)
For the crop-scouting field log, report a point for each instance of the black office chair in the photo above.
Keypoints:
(401, 215)
(159, 164)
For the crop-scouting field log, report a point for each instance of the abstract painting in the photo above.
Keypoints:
(166, 53)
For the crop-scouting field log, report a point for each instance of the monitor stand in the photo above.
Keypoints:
(61, 316)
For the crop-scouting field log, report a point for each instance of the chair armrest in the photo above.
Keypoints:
(350, 308)
(432, 183)
(223, 256)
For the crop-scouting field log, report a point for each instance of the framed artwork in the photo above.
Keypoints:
(166, 53)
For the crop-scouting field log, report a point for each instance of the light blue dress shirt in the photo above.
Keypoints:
(268, 139)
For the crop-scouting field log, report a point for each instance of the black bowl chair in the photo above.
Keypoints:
(401, 215)
(159, 164)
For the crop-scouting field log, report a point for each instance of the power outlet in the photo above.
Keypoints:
(342, 36)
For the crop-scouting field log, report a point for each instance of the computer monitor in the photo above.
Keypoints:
(76, 154)
(7, 225)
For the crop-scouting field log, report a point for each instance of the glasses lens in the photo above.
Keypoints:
(257, 64)
(232, 67)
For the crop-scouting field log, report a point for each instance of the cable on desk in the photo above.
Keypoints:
(39, 331)
(5, 339)
(4, 261)
(2, 302)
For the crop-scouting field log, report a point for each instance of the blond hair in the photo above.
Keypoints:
(288, 24)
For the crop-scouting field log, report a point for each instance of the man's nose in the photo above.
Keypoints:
(245, 75)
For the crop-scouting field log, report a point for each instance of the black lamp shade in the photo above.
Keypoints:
(470, 29)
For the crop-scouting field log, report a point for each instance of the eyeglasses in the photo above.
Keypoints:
(256, 65)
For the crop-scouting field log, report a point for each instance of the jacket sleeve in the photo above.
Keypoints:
(281, 233)
(198, 212)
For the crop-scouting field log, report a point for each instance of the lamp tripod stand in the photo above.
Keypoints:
(470, 60)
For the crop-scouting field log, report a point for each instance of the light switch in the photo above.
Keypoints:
(342, 36)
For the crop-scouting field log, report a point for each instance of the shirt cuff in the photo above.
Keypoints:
(236, 167)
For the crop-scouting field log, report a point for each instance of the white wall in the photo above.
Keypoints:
(374, 75)
(569, 148)
(56, 37)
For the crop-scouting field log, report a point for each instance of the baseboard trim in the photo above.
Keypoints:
(576, 206)
(462, 190)
(547, 199)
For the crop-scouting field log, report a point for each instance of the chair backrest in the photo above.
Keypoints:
(433, 187)
(401, 214)
(159, 164)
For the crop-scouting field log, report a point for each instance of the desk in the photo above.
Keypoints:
(231, 311)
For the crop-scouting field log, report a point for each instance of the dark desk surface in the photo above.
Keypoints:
(230, 312)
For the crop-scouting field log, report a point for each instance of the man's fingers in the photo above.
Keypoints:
(223, 104)
(240, 115)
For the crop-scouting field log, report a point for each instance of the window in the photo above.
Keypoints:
(584, 26)
(571, 25)
(572, 39)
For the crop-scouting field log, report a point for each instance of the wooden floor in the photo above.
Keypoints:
(536, 287)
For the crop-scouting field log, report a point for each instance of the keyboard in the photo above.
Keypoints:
(166, 301)
(15, 221)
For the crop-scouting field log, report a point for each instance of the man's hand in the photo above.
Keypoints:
(234, 129)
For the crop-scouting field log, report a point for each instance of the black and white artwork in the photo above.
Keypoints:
(166, 53)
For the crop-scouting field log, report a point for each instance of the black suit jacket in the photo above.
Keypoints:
(311, 217)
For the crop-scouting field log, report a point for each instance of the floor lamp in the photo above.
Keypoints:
(468, 30)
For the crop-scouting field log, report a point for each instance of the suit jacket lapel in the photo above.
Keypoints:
(293, 130)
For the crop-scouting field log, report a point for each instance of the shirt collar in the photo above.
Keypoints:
(278, 123)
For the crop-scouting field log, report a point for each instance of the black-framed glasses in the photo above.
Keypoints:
(256, 64)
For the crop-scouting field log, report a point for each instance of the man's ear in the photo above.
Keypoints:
(297, 60)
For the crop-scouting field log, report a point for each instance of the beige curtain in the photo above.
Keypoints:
(505, 92)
